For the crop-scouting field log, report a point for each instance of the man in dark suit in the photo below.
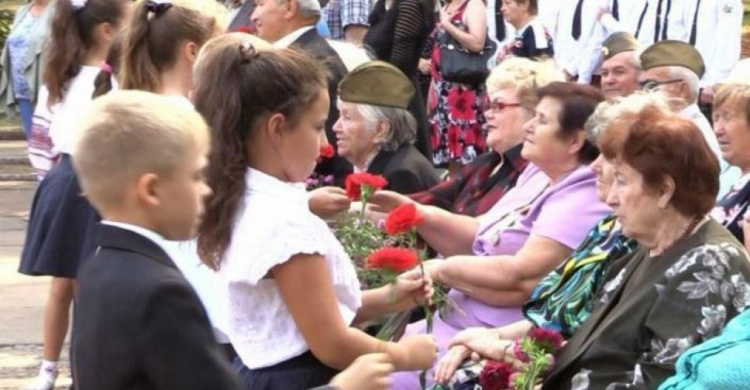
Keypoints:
(380, 139)
(292, 24)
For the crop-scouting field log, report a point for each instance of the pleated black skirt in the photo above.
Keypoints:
(60, 233)
(300, 373)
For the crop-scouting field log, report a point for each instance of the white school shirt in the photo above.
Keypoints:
(728, 175)
(579, 57)
(510, 31)
(718, 34)
(73, 108)
(673, 21)
(273, 224)
(629, 15)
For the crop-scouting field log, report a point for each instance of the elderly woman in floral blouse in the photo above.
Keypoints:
(686, 280)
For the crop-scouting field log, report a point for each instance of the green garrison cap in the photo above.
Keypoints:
(673, 53)
(377, 83)
(617, 43)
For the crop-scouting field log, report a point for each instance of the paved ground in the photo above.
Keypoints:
(23, 297)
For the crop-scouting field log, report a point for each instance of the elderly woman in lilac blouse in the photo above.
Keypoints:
(493, 262)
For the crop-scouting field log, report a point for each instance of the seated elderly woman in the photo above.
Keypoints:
(732, 129)
(375, 131)
(512, 88)
(684, 282)
(563, 300)
(496, 260)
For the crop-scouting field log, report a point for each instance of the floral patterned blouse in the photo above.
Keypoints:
(653, 309)
(732, 207)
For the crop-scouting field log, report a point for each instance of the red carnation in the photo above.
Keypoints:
(358, 183)
(496, 375)
(547, 339)
(327, 151)
(396, 260)
(402, 219)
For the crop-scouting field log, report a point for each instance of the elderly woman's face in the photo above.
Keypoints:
(542, 144)
(605, 174)
(733, 133)
(505, 119)
(635, 206)
(355, 140)
(512, 11)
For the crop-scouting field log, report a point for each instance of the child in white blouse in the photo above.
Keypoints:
(291, 290)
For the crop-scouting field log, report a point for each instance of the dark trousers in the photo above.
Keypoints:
(300, 373)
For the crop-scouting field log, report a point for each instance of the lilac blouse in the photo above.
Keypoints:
(564, 212)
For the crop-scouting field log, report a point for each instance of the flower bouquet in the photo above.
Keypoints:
(534, 358)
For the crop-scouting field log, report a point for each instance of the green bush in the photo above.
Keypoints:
(6, 20)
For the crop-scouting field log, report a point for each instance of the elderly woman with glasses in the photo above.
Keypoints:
(512, 88)
(494, 262)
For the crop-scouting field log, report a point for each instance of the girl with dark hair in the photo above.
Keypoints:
(291, 291)
(60, 231)
(105, 80)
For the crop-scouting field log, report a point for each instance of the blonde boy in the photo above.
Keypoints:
(138, 323)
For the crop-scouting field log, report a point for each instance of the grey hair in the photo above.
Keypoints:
(308, 8)
(690, 78)
(607, 111)
(402, 127)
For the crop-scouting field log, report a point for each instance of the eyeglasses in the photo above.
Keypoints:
(650, 85)
(499, 106)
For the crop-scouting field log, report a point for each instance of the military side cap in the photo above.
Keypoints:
(673, 53)
(617, 43)
(377, 83)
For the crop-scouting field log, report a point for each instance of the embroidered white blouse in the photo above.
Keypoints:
(273, 224)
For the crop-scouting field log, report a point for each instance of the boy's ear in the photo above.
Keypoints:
(147, 190)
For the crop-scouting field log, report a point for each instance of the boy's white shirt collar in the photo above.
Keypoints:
(157, 238)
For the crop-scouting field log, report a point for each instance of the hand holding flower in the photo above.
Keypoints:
(413, 289)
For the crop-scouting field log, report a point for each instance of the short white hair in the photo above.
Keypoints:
(402, 125)
(309, 8)
(607, 111)
(690, 78)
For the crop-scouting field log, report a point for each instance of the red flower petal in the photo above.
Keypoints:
(496, 375)
(397, 260)
(357, 182)
(402, 219)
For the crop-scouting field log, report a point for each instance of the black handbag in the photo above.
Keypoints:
(460, 65)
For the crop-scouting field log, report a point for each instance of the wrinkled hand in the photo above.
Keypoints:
(707, 96)
(421, 350)
(413, 287)
(326, 202)
(424, 65)
(431, 270)
(368, 372)
(447, 366)
(475, 338)
(385, 201)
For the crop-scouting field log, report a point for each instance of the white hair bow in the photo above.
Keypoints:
(78, 4)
